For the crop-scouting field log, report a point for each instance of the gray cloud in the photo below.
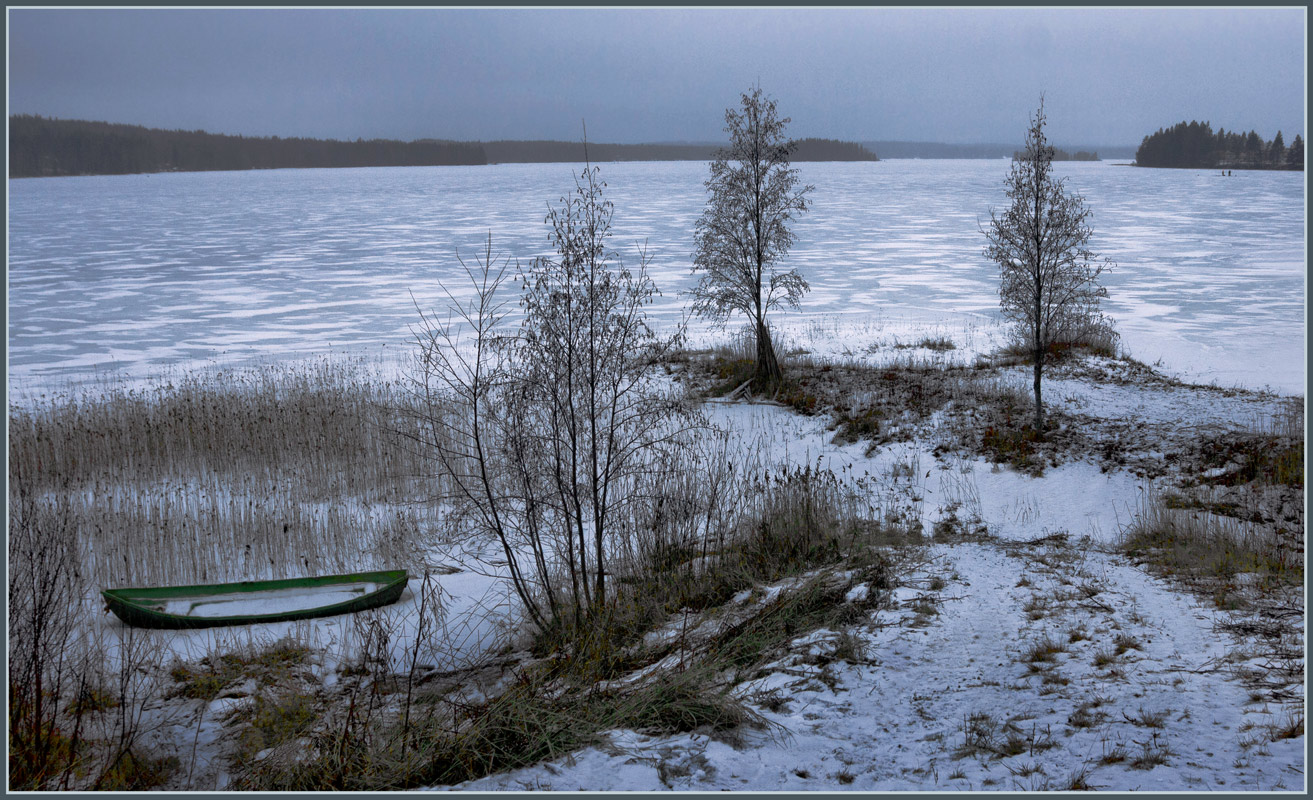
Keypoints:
(955, 75)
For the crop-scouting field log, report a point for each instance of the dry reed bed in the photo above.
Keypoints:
(310, 420)
(1237, 505)
(274, 472)
(216, 476)
(1199, 545)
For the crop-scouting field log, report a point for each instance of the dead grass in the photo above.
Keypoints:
(1078, 781)
(1149, 719)
(273, 719)
(1204, 547)
(938, 344)
(986, 736)
(1096, 340)
(802, 529)
(1290, 727)
(1153, 753)
(1251, 457)
(226, 475)
(1043, 650)
(1086, 716)
(550, 709)
(214, 673)
(1116, 755)
(1123, 642)
(1036, 607)
(212, 476)
(984, 413)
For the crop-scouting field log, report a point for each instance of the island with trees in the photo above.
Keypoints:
(1194, 145)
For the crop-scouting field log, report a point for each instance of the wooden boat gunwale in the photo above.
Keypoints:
(127, 605)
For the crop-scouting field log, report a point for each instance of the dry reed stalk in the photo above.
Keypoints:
(227, 475)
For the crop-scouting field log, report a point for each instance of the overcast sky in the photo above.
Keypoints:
(1110, 76)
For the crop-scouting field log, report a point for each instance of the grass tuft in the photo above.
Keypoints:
(1292, 727)
(1152, 753)
(1043, 649)
(272, 720)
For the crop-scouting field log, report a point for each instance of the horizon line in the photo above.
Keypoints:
(660, 142)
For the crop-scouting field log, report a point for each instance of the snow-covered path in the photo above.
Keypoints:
(948, 697)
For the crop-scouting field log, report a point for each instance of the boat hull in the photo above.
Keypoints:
(249, 602)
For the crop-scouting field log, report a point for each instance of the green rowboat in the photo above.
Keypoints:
(213, 605)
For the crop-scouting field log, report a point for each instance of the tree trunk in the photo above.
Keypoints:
(1039, 405)
(599, 595)
(769, 374)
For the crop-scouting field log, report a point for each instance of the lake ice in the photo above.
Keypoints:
(137, 274)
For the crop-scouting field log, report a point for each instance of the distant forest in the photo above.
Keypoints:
(1062, 155)
(525, 152)
(1194, 145)
(941, 150)
(40, 146)
(46, 147)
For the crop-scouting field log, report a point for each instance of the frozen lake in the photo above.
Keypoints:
(139, 274)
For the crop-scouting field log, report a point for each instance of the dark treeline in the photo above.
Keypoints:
(831, 150)
(40, 146)
(1062, 155)
(550, 152)
(941, 150)
(541, 152)
(1195, 145)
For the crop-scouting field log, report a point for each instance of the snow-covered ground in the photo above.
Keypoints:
(909, 715)
(940, 696)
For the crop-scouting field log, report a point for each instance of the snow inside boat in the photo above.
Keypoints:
(247, 602)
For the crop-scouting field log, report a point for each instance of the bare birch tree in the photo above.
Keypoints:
(545, 437)
(1049, 284)
(589, 410)
(743, 233)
